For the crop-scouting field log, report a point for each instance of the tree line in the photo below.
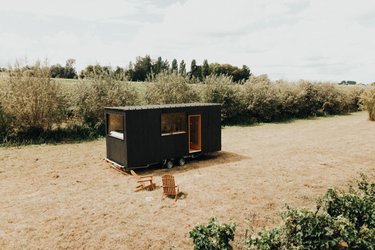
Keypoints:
(146, 67)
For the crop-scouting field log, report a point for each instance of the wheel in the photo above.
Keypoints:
(181, 161)
(169, 164)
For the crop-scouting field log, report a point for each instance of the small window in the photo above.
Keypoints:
(173, 123)
(115, 126)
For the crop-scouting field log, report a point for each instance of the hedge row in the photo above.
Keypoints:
(32, 105)
(34, 108)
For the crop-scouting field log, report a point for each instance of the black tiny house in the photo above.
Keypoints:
(140, 136)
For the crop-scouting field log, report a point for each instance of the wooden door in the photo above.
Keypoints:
(195, 133)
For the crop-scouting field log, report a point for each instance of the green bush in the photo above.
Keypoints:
(169, 88)
(358, 206)
(352, 98)
(262, 99)
(332, 99)
(30, 103)
(221, 89)
(213, 236)
(5, 125)
(268, 101)
(368, 100)
(308, 101)
(99, 91)
(32, 98)
(341, 220)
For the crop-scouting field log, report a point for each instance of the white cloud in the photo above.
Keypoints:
(82, 9)
(292, 39)
(289, 39)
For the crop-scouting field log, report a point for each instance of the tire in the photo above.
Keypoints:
(181, 161)
(169, 164)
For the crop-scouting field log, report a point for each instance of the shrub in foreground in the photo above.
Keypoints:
(213, 236)
(342, 220)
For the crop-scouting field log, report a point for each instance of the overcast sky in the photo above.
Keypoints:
(287, 39)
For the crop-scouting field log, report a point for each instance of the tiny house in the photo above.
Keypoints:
(141, 136)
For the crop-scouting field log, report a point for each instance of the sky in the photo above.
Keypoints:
(320, 40)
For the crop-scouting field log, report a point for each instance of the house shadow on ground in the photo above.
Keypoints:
(204, 161)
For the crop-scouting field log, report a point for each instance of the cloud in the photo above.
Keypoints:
(291, 39)
(262, 34)
(83, 9)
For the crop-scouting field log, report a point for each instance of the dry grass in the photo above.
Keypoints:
(65, 196)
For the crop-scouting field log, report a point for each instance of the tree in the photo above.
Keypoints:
(157, 66)
(182, 69)
(193, 67)
(57, 71)
(243, 75)
(194, 70)
(174, 66)
(348, 83)
(165, 65)
(95, 70)
(70, 71)
(142, 68)
(119, 74)
(205, 69)
(230, 70)
(129, 72)
(199, 75)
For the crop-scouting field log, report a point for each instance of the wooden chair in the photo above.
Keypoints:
(144, 182)
(169, 186)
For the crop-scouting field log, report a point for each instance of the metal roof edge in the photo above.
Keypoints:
(162, 106)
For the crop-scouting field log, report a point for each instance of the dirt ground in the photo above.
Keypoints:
(66, 196)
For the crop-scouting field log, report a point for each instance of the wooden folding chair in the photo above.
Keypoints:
(169, 186)
(143, 181)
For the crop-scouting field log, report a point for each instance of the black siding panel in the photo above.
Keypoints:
(116, 150)
(215, 129)
(143, 127)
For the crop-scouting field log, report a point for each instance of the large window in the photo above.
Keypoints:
(115, 126)
(173, 123)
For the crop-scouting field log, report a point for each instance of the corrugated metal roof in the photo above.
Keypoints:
(179, 105)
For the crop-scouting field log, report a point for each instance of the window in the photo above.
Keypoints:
(173, 123)
(115, 126)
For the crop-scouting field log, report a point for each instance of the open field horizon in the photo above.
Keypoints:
(66, 196)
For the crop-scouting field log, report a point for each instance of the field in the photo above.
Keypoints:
(66, 196)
